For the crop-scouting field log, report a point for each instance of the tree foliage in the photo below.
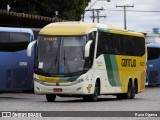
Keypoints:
(66, 9)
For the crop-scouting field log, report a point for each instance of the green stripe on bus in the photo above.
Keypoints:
(112, 70)
(102, 30)
(69, 79)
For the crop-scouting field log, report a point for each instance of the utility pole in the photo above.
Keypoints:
(93, 15)
(98, 16)
(124, 7)
(91, 6)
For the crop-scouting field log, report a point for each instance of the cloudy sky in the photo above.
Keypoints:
(144, 16)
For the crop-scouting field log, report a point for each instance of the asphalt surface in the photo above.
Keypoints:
(149, 100)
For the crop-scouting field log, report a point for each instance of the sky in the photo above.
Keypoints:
(144, 16)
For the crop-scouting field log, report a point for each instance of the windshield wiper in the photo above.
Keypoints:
(66, 64)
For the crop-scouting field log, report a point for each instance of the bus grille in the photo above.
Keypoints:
(153, 77)
(20, 78)
(17, 78)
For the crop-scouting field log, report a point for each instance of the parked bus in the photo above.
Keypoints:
(16, 69)
(153, 64)
(88, 60)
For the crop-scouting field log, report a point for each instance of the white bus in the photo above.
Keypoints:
(88, 60)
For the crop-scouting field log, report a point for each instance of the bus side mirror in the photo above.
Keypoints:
(87, 48)
(29, 48)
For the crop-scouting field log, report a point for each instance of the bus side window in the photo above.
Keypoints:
(104, 44)
(92, 36)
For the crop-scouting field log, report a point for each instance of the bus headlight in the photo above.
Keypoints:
(83, 78)
(79, 80)
(37, 80)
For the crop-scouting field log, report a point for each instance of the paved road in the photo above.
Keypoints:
(149, 100)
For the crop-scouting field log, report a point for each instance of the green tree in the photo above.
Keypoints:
(72, 9)
(23, 6)
(66, 9)
(3, 4)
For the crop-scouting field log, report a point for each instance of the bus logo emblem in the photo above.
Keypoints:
(57, 84)
(22, 63)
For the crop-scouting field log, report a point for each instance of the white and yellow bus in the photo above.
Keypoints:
(88, 60)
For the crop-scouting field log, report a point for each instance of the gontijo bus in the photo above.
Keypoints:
(88, 60)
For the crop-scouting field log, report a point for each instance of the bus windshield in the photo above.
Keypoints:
(60, 55)
(153, 53)
(14, 41)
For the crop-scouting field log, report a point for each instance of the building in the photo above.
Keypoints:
(152, 38)
(14, 19)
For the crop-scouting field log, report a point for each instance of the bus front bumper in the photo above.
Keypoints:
(80, 88)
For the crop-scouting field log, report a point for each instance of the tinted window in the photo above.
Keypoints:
(12, 41)
(153, 53)
(117, 44)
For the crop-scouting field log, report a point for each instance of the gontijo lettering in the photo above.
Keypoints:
(128, 62)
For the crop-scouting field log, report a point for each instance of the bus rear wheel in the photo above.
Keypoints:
(129, 93)
(94, 96)
(134, 89)
(50, 97)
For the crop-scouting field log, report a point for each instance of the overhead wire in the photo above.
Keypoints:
(135, 10)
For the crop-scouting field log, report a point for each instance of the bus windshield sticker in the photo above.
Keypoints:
(40, 65)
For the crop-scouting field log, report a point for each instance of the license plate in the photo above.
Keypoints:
(57, 89)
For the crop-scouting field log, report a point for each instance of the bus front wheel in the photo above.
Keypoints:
(94, 96)
(50, 97)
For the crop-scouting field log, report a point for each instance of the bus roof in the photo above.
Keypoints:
(12, 29)
(153, 45)
(81, 28)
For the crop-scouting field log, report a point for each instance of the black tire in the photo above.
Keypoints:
(134, 89)
(50, 97)
(93, 97)
(129, 92)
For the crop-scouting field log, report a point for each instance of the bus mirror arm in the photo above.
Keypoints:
(29, 48)
(87, 48)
